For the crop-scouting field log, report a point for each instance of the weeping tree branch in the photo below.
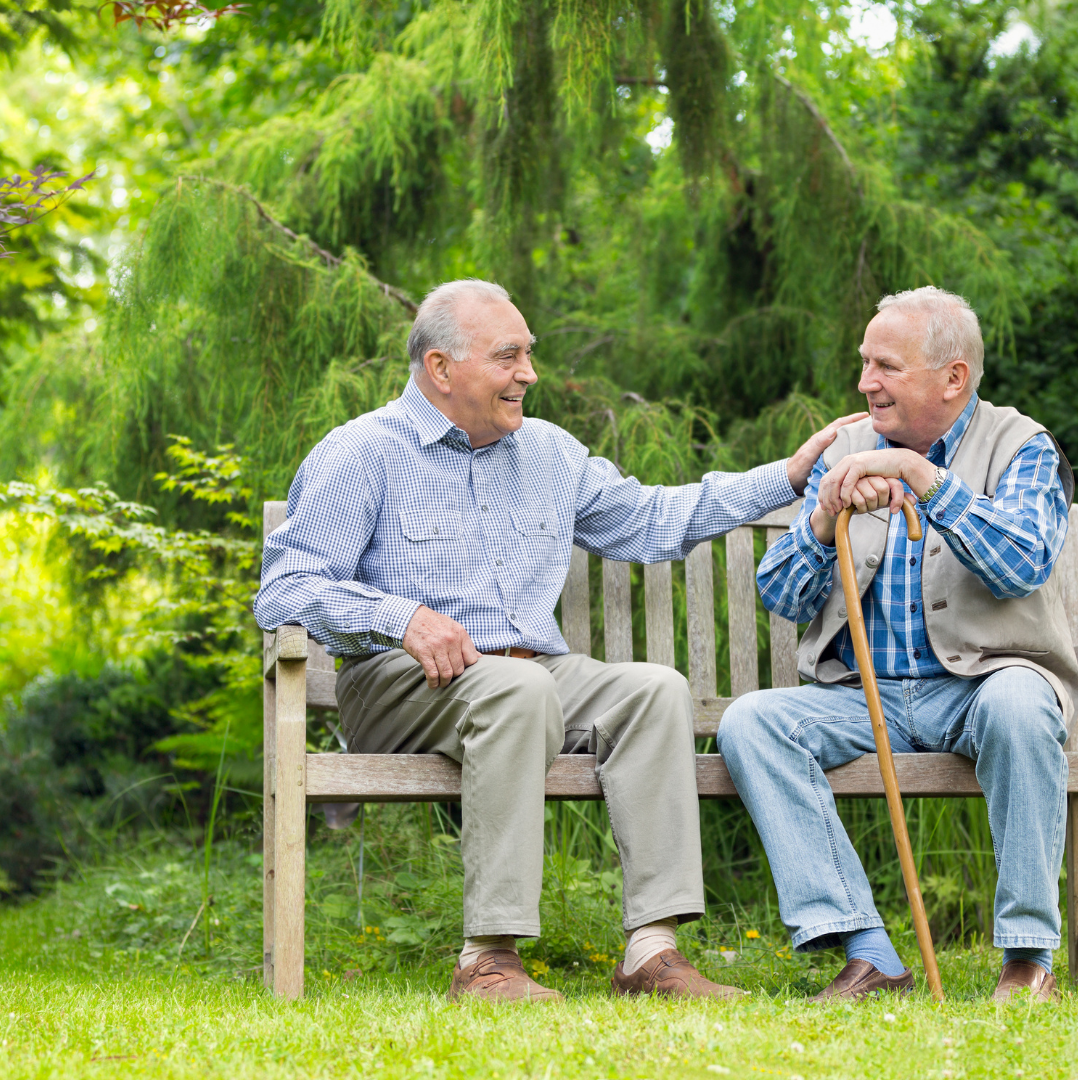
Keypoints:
(331, 260)
(822, 123)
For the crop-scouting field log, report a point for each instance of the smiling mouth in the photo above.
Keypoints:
(516, 399)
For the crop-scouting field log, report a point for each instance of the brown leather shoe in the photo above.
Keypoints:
(860, 979)
(1018, 976)
(671, 974)
(498, 975)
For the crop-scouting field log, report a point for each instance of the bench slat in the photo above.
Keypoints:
(778, 519)
(700, 621)
(783, 637)
(575, 604)
(742, 600)
(659, 621)
(618, 625)
(434, 778)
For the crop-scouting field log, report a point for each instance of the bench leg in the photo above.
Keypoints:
(1070, 880)
(290, 827)
(269, 703)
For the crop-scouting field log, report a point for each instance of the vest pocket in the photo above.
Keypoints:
(1021, 654)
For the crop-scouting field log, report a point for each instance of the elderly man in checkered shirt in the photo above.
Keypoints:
(427, 544)
(971, 645)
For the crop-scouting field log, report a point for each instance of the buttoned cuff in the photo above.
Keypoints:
(949, 503)
(811, 550)
(775, 486)
(391, 620)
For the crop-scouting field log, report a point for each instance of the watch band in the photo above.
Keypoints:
(940, 476)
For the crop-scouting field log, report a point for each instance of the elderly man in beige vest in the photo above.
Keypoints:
(968, 633)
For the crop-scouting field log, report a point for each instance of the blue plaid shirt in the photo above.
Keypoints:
(396, 509)
(1010, 542)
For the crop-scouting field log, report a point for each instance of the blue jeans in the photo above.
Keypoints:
(777, 742)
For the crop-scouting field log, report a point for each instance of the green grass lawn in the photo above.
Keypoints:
(91, 984)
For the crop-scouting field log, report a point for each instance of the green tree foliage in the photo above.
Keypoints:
(524, 141)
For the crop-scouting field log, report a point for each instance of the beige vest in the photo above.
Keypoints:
(971, 632)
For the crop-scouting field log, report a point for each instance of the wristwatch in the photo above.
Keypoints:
(940, 476)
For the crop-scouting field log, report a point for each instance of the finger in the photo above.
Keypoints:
(858, 500)
(882, 490)
(851, 418)
(431, 671)
(453, 653)
(896, 495)
(854, 475)
(446, 669)
(469, 652)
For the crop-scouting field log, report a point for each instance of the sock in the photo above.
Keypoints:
(646, 941)
(474, 946)
(873, 945)
(1042, 957)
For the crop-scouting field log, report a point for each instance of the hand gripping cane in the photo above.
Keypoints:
(881, 738)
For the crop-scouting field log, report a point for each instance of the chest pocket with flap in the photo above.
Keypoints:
(435, 548)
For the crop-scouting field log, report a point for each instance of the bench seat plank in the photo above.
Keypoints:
(435, 778)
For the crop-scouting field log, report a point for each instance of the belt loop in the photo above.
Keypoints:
(506, 651)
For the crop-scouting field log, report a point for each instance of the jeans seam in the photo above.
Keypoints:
(828, 825)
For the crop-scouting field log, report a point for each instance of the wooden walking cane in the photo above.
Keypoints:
(881, 738)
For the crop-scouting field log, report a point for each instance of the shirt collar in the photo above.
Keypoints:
(434, 426)
(430, 423)
(944, 449)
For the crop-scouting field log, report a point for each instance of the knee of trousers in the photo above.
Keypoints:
(1018, 709)
(523, 704)
(747, 728)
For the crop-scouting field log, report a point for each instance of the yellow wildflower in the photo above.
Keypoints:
(752, 934)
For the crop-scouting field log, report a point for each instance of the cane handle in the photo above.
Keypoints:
(914, 526)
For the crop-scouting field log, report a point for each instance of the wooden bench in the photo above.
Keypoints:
(299, 675)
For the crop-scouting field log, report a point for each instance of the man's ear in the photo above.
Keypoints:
(437, 367)
(959, 379)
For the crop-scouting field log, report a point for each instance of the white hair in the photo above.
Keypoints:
(437, 326)
(952, 328)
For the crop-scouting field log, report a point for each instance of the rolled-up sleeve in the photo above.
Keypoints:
(309, 563)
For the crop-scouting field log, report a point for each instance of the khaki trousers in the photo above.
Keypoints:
(505, 720)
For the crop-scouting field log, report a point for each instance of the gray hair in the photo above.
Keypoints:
(952, 328)
(436, 325)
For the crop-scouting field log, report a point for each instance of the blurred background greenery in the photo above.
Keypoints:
(696, 206)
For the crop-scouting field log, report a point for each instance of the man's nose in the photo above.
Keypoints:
(526, 374)
(869, 381)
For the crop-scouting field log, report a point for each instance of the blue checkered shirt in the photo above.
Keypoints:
(396, 509)
(1010, 542)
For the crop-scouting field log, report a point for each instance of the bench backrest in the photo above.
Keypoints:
(742, 617)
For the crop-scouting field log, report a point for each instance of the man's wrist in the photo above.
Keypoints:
(919, 473)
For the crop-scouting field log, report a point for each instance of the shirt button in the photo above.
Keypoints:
(940, 515)
(484, 508)
(914, 607)
(916, 654)
(912, 560)
(498, 562)
(435, 531)
(819, 558)
(513, 614)
(542, 525)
